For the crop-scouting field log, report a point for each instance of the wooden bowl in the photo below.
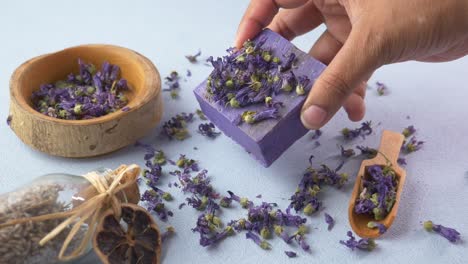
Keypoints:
(91, 137)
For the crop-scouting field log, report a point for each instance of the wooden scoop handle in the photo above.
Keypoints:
(390, 146)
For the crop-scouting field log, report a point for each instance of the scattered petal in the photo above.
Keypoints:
(381, 88)
(8, 120)
(367, 244)
(330, 221)
(317, 134)
(193, 58)
(450, 234)
(402, 161)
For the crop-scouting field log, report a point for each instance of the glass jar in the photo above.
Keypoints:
(48, 194)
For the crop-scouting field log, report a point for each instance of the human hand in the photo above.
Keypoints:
(361, 36)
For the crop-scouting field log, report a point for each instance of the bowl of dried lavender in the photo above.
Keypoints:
(85, 101)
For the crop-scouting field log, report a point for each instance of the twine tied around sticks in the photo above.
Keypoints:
(92, 209)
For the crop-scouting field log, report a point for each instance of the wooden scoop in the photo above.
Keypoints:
(388, 153)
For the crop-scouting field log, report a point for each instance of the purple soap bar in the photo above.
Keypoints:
(268, 139)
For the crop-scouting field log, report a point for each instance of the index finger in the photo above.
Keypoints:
(258, 16)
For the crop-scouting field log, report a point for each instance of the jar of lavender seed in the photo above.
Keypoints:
(48, 194)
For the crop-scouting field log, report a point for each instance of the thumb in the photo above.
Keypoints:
(353, 64)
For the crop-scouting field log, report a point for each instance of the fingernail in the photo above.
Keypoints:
(313, 117)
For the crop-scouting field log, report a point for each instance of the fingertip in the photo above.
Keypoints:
(355, 107)
(314, 117)
(247, 30)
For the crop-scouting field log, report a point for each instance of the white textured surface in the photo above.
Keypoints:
(433, 95)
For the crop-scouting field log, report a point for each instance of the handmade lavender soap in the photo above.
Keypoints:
(255, 95)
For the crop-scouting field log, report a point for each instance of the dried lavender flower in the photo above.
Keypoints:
(347, 153)
(412, 145)
(368, 152)
(225, 202)
(154, 203)
(252, 75)
(382, 228)
(261, 243)
(379, 192)
(176, 127)
(450, 234)
(252, 117)
(381, 88)
(89, 94)
(208, 130)
(200, 114)
(209, 228)
(362, 244)
(408, 131)
(330, 221)
(170, 230)
(185, 163)
(364, 130)
(173, 85)
(244, 202)
(193, 58)
(290, 254)
(402, 161)
(306, 196)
